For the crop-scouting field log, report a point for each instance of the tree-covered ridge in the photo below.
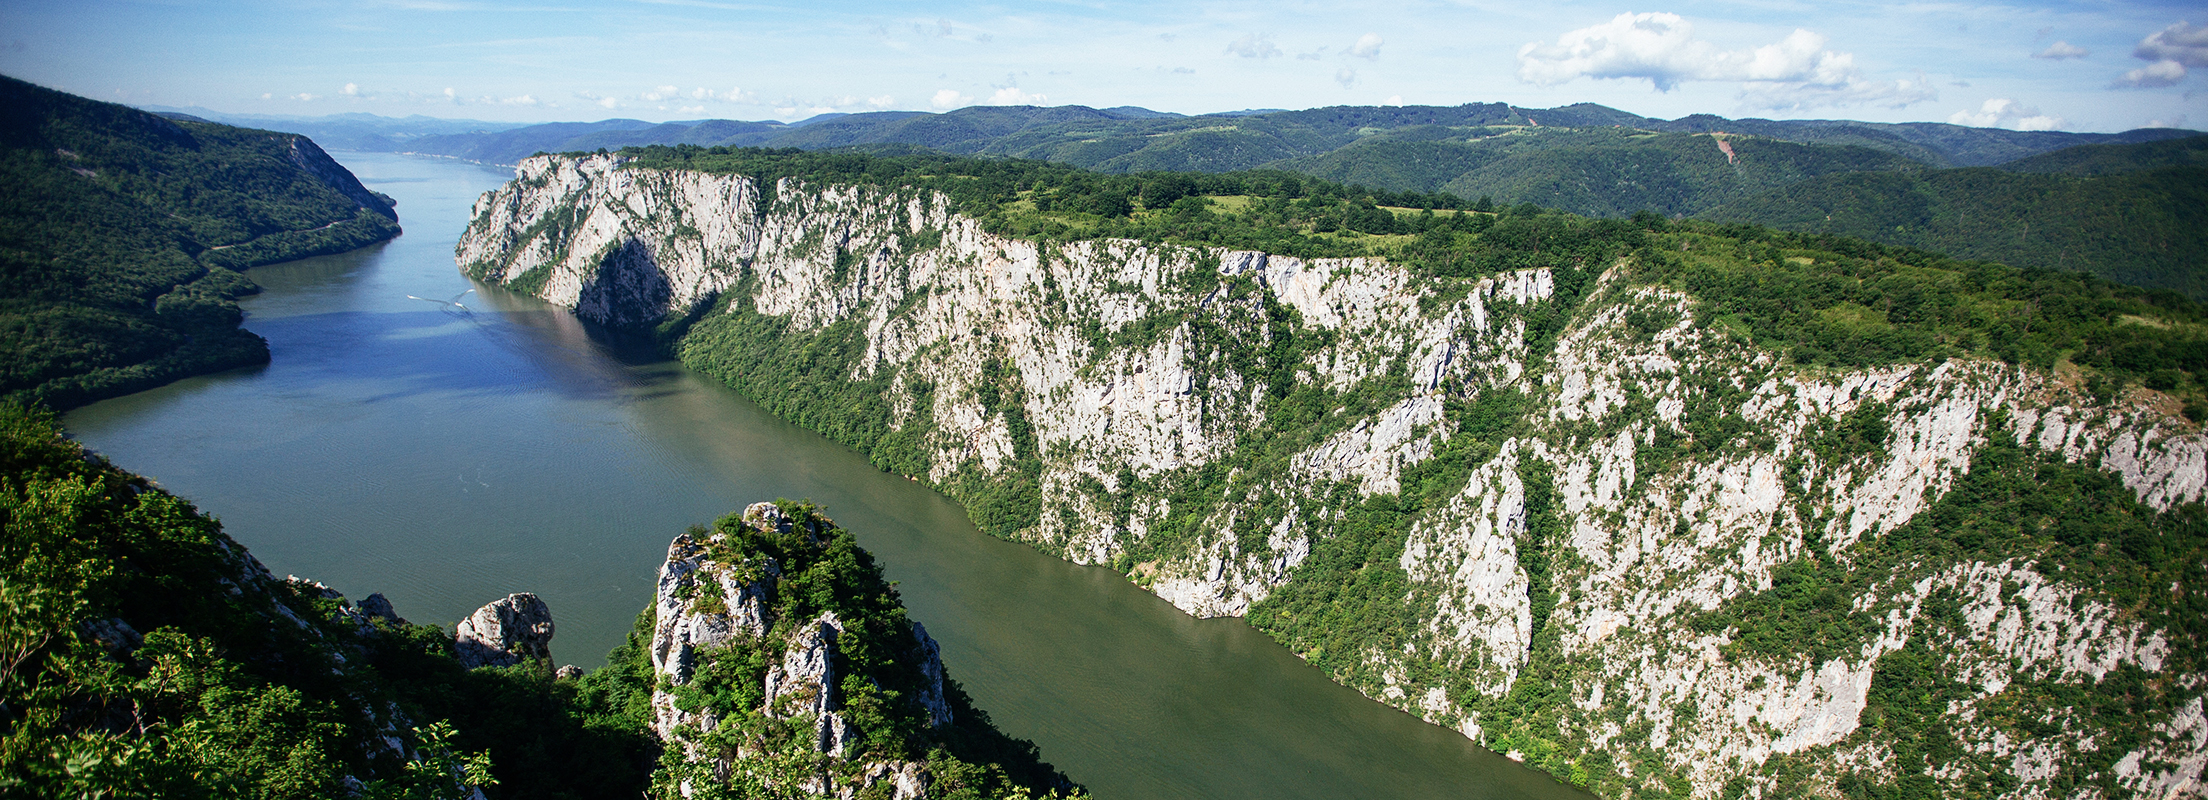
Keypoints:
(122, 235)
(2113, 215)
(1821, 299)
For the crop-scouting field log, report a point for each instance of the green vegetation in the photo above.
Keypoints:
(243, 685)
(879, 667)
(122, 235)
(2143, 228)
(2014, 504)
(1604, 172)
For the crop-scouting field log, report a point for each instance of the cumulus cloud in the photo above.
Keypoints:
(306, 96)
(1346, 77)
(883, 101)
(350, 90)
(450, 94)
(2172, 122)
(1795, 72)
(2004, 112)
(268, 95)
(691, 109)
(518, 100)
(1367, 46)
(660, 93)
(2169, 51)
(1252, 46)
(1012, 96)
(1393, 100)
(2061, 50)
(2152, 76)
(948, 99)
(735, 94)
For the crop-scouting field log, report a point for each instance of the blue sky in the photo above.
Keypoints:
(2071, 66)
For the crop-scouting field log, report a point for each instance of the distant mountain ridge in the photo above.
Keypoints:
(1109, 139)
(1865, 179)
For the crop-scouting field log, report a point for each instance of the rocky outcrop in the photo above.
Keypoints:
(717, 606)
(1596, 538)
(505, 632)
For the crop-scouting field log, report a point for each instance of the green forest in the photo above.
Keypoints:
(123, 236)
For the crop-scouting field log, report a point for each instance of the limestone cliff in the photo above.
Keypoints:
(781, 660)
(1678, 564)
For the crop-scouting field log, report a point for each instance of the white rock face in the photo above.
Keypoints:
(705, 605)
(1116, 351)
(505, 632)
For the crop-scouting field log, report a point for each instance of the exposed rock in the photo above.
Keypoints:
(715, 601)
(804, 684)
(376, 605)
(568, 672)
(505, 632)
(1646, 540)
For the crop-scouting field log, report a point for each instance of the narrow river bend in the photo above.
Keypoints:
(447, 456)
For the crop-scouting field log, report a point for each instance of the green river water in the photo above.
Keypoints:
(448, 456)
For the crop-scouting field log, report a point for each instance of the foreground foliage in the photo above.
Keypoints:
(242, 685)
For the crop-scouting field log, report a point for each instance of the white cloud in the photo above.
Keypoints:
(1012, 96)
(883, 101)
(350, 90)
(2004, 112)
(1346, 77)
(1794, 73)
(518, 100)
(660, 93)
(602, 101)
(2170, 50)
(268, 95)
(948, 99)
(2184, 43)
(2152, 76)
(306, 96)
(691, 109)
(1797, 96)
(1367, 46)
(1393, 100)
(2061, 50)
(450, 94)
(1253, 46)
(2172, 122)
(1662, 48)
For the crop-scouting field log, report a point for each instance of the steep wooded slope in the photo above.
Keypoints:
(122, 235)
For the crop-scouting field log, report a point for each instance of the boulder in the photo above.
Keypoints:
(505, 632)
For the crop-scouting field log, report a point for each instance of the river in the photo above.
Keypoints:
(449, 455)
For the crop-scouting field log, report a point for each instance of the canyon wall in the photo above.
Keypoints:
(1552, 511)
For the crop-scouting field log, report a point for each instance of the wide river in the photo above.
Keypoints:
(448, 456)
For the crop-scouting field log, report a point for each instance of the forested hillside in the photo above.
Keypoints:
(123, 236)
(2135, 214)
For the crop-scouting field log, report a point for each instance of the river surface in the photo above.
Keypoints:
(447, 456)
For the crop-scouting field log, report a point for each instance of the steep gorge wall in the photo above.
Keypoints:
(1543, 508)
